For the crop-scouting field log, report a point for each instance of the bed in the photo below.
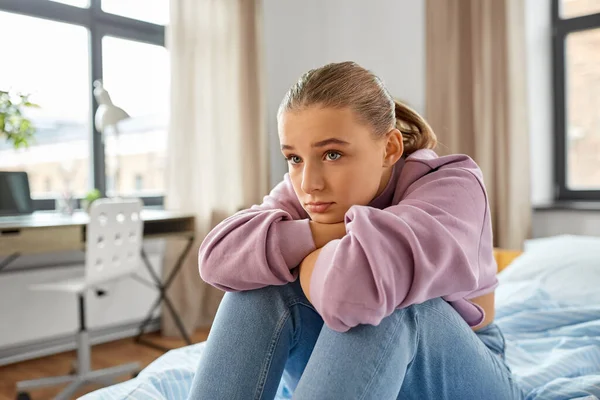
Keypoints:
(548, 306)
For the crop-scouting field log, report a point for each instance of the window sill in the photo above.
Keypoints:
(152, 202)
(569, 206)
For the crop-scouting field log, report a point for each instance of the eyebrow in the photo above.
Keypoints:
(322, 143)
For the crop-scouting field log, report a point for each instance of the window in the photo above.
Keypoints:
(578, 8)
(61, 146)
(62, 47)
(577, 98)
(47, 183)
(141, 87)
(155, 11)
(76, 3)
(139, 182)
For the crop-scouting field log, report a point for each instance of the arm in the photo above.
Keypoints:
(322, 234)
(306, 270)
(260, 246)
(325, 233)
(427, 246)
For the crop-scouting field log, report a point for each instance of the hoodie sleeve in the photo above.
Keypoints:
(260, 246)
(426, 246)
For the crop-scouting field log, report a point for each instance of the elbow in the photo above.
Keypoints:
(345, 299)
(219, 271)
(206, 266)
(334, 319)
(329, 309)
(343, 316)
(212, 268)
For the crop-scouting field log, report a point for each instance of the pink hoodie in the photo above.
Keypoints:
(427, 235)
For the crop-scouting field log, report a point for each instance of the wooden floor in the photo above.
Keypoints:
(103, 356)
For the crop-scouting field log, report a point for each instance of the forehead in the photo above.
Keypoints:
(318, 123)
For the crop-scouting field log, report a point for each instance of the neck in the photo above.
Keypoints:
(385, 178)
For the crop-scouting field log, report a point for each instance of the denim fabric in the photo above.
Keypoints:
(425, 351)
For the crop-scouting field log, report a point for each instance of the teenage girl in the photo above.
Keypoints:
(367, 273)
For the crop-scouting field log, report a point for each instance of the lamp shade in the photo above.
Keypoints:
(107, 114)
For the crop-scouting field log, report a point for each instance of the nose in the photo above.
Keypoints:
(312, 178)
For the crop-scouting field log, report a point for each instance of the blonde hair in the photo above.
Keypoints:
(347, 84)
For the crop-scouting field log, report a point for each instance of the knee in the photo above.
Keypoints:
(283, 295)
(434, 311)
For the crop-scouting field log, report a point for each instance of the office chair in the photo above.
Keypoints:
(113, 251)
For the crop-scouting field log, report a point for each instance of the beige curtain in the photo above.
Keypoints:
(217, 148)
(476, 100)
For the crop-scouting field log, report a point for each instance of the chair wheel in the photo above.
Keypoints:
(23, 396)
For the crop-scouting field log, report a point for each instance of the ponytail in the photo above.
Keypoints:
(416, 132)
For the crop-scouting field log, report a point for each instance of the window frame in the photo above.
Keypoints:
(99, 24)
(561, 28)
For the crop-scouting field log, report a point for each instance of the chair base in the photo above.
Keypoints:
(77, 381)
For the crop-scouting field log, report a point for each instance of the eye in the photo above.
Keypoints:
(294, 160)
(333, 155)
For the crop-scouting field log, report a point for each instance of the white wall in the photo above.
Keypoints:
(560, 222)
(386, 36)
(538, 31)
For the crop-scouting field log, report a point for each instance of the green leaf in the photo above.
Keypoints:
(16, 128)
(25, 125)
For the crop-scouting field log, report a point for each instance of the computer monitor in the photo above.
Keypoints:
(15, 197)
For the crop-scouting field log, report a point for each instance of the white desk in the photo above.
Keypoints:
(44, 232)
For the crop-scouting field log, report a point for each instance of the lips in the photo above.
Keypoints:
(318, 207)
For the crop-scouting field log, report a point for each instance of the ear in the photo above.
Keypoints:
(394, 147)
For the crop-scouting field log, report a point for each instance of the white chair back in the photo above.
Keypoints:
(113, 239)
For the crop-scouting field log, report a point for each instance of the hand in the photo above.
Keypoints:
(325, 233)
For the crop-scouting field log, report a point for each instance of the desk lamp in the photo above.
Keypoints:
(108, 117)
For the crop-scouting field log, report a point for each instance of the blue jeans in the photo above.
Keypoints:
(426, 351)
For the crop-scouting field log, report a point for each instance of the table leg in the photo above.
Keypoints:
(8, 260)
(162, 288)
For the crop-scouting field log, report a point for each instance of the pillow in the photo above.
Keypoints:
(566, 266)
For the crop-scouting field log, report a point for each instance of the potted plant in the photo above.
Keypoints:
(16, 128)
(89, 198)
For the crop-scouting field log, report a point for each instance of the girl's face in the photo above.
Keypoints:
(334, 160)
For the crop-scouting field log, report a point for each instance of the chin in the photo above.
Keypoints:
(327, 218)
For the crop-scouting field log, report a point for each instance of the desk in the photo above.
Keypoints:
(44, 232)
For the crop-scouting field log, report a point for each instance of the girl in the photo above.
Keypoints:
(368, 273)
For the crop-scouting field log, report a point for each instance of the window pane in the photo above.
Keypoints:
(57, 77)
(136, 75)
(577, 8)
(76, 3)
(583, 109)
(155, 11)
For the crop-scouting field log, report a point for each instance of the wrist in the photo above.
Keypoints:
(325, 233)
